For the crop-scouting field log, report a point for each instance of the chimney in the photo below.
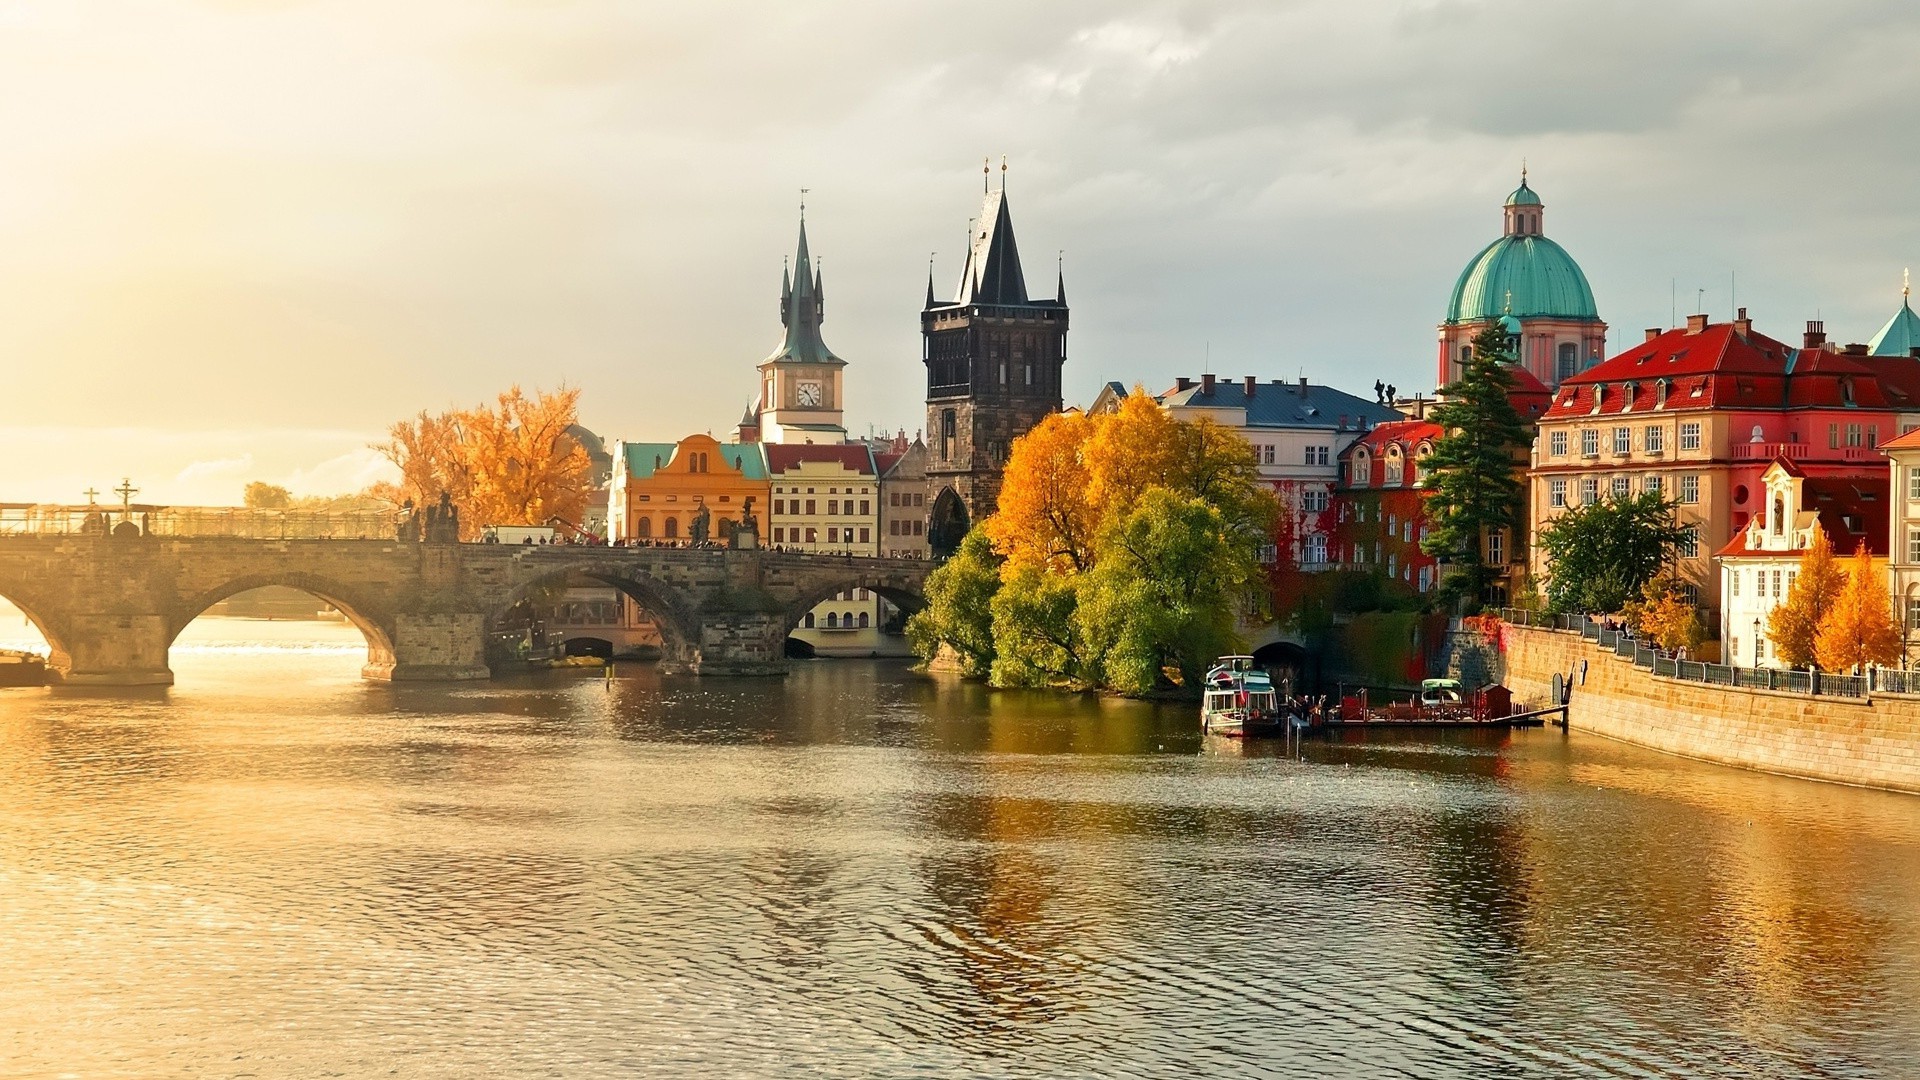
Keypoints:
(1182, 383)
(1856, 349)
(1816, 334)
(1303, 388)
(1696, 323)
(1654, 332)
(1253, 384)
(1206, 383)
(1741, 324)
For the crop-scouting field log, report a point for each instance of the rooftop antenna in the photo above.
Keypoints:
(1206, 365)
(1700, 299)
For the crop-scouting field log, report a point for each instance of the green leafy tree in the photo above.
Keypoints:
(1173, 574)
(260, 495)
(1601, 554)
(1473, 471)
(1036, 639)
(959, 611)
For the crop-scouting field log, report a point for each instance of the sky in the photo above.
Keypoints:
(238, 238)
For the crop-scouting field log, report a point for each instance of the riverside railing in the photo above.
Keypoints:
(1625, 645)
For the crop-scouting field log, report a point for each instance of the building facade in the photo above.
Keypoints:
(1903, 537)
(1758, 566)
(902, 527)
(660, 491)
(1379, 519)
(826, 499)
(993, 356)
(1531, 287)
(1698, 414)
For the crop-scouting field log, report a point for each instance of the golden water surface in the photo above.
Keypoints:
(276, 870)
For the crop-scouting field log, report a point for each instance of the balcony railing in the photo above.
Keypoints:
(1791, 451)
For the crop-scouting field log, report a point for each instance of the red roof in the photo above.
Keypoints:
(1908, 441)
(884, 463)
(855, 457)
(1851, 510)
(1408, 433)
(1720, 367)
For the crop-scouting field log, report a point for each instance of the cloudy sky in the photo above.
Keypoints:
(239, 237)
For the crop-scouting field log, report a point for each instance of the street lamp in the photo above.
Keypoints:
(1756, 644)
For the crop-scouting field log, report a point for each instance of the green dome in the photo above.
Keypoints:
(1524, 276)
(1523, 196)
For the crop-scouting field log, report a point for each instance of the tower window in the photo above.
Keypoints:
(947, 426)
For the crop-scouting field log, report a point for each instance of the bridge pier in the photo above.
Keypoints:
(437, 647)
(735, 643)
(114, 650)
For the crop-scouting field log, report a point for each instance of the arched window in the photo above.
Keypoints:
(644, 527)
(833, 620)
(847, 620)
(863, 620)
(1396, 467)
(1779, 515)
(1359, 469)
(1567, 361)
(673, 528)
(807, 621)
(1420, 463)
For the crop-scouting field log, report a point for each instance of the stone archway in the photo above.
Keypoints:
(947, 523)
(680, 631)
(24, 600)
(375, 626)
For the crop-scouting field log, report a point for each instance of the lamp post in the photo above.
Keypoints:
(1756, 644)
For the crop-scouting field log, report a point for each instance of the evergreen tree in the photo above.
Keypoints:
(1816, 587)
(1858, 629)
(1474, 473)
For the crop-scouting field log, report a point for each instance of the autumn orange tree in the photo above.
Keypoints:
(1665, 616)
(1858, 628)
(512, 463)
(1045, 517)
(1793, 626)
(1131, 544)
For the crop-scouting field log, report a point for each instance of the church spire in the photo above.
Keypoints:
(801, 310)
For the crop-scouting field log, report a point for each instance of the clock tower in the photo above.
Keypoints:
(800, 384)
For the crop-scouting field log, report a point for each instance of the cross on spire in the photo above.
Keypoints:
(91, 495)
(803, 203)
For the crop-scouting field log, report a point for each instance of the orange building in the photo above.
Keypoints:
(659, 489)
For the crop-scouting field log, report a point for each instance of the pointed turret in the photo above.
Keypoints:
(1060, 286)
(801, 312)
(930, 300)
(993, 274)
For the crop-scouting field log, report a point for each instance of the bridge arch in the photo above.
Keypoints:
(679, 628)
(360, 612)
(44, 618)
(902, 594)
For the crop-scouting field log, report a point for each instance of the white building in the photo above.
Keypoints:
(1759, 565)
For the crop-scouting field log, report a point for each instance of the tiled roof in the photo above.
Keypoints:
(1909, 441)
(854, 457)
(1721, 368)
(1281, 404)
(1407, 433)
(641, 458)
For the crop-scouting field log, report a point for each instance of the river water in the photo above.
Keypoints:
(276, 870)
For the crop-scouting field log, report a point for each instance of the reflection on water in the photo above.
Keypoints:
(275, 869)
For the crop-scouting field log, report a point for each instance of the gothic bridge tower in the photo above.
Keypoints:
(993, 357)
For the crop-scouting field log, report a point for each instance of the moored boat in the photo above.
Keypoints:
(19, 668)
(1239, 700)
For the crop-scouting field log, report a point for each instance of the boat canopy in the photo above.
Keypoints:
(1440, 684)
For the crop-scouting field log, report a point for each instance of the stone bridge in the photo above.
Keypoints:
(110, 607)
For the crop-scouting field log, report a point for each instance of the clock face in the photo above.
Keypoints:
(807, 394)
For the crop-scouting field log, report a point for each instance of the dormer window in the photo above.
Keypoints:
(1599, 396)
(1699, 388)
(1631, 391)
(1358, 468)
(1660, 388)
(1846, 392)
(1396, 468)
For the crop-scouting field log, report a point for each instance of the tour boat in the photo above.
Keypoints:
(22, 668)
(1240, 700)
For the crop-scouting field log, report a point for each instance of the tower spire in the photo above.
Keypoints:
(986, 171)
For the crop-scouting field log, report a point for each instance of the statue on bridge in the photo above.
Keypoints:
(746, 534)
(702, 526)
(443, 522)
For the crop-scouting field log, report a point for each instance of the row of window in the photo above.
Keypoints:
(1761, 579)
(835, 507)
(830, 491)
(839, 621)
(811, 535)
(1653, 440)
(906, 498)
(1315, 455)
(1620, 487)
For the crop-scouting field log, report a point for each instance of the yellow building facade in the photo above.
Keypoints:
(659, 490)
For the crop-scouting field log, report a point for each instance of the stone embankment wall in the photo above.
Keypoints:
(1870, 742)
